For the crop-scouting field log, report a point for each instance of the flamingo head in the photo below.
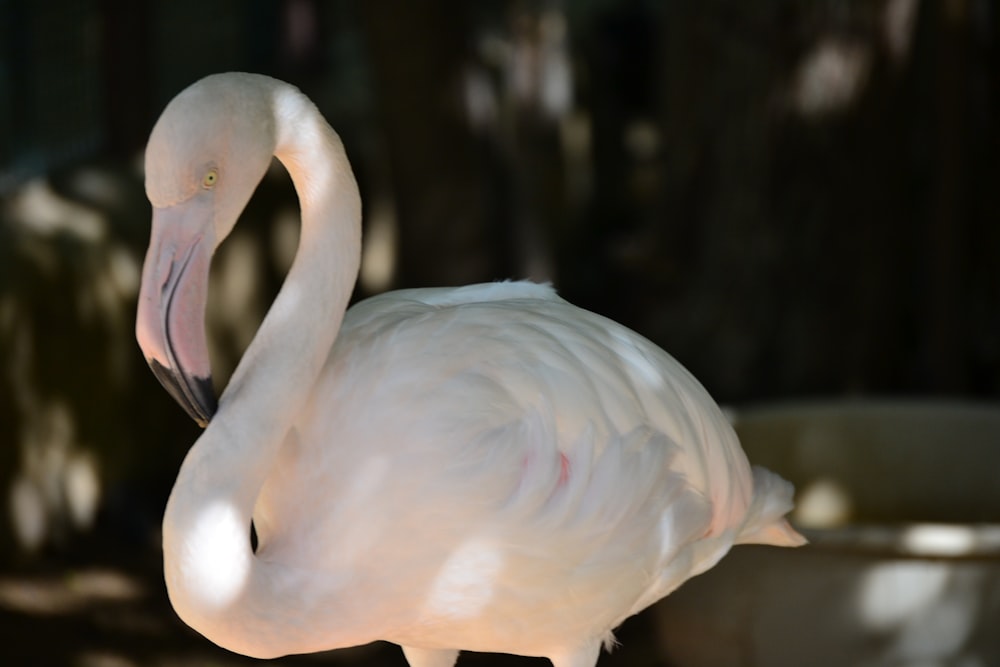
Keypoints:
(205, 156)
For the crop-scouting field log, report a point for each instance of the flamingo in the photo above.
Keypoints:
(482, 468)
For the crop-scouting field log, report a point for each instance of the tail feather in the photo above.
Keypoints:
(765, 521)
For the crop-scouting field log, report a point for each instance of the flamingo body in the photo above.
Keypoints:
(486, 468)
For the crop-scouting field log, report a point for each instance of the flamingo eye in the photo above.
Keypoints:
(208, 181)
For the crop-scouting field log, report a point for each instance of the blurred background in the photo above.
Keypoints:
(795, 198)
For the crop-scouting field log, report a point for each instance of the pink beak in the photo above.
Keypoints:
(170, 323)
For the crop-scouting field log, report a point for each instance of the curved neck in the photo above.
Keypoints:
(215, 582)
(300, 327)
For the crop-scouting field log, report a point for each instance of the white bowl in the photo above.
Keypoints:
(901, 503)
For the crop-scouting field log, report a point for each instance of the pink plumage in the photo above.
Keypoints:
(486, 468)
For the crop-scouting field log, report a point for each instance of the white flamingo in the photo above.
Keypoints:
(486, 468)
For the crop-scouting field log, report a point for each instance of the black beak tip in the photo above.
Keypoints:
(195, 394)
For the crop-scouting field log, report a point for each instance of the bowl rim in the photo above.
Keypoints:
(909, 539)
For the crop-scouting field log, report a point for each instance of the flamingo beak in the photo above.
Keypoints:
(170, 322)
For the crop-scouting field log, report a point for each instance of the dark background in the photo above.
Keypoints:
(795, 198)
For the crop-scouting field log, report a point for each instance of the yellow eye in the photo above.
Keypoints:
(209, 179)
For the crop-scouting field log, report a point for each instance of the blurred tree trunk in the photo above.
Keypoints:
(944, 316)
(448, 232)
(126, 74)
(604, 254)
(722, 65)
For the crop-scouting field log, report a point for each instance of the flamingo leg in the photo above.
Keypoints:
(423, 657)
(585, 656)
